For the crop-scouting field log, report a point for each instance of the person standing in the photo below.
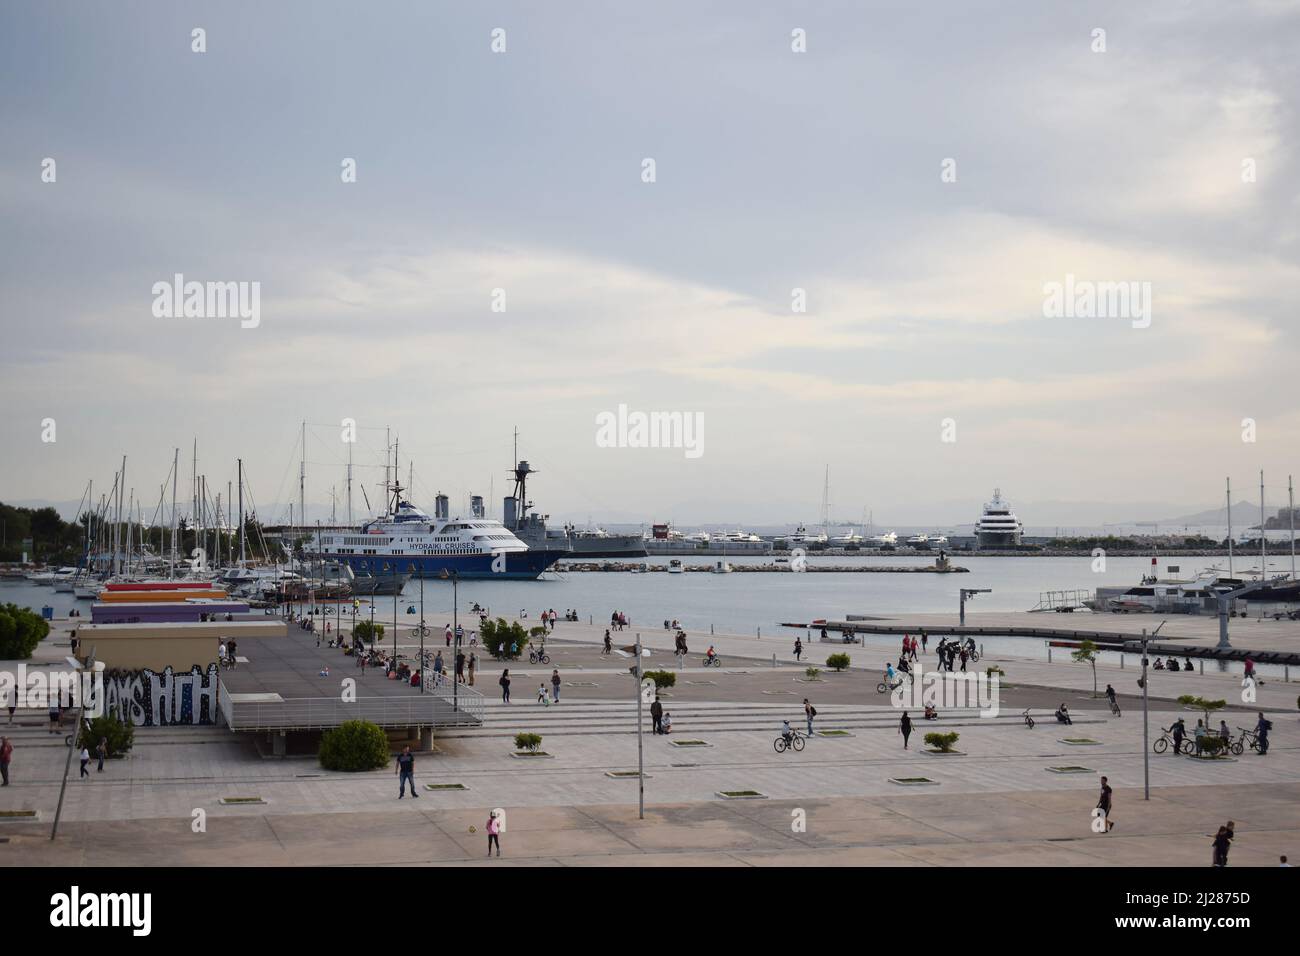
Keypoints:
(924, 641)
(657, 715)
(809, 712)
(473, 665)
(1104, 804)
(555, 685)
(460, 667)
(1262, 728)
(406, 772)
(798, 648)
(448, 635)
(905, 727)
(494, 832)
(101, 751)
(6, 754)
(231, 649)
(437, 669)
(609, 644)
(505, 685)
(54, 715)
(85, 762)
(13, 703)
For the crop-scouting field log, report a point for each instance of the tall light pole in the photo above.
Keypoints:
(423, 675)
(970, 593)
(455, 632)
(640, 727)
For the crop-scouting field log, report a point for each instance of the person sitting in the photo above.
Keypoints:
(1187, 664)
(1173, 664)
(930, 712)
(1063, 715)
(666, 625)
(666, 725)
(904, 666)
(1159, 665)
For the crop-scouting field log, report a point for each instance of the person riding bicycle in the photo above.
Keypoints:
(889, 674)
(786, 732)
(1110, 695)
(710, 654)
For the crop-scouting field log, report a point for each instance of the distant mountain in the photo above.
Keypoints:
(1244, 513)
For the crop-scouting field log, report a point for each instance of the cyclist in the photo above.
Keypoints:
(889, 674)
(710, 654)
(1110, 695)
(1179, 730)
(786, 732)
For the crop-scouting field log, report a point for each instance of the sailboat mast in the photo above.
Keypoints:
(1229, 481)
(241, 512)
(176, 460)
(1263, 538)
(350, 484)
(302, 478)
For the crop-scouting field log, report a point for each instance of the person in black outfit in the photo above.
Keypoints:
(1104, 804)
(406, 772)
(905, 728)
(657, 714)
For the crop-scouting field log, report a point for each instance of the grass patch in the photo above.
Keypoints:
(1070, 770)
(529, 753)
(741, 795)
(833, 733)
(625, 773)
(1080, 742)
(445, 786)
(240, 801)
(690, 743)
(19, 815)
(914, 781)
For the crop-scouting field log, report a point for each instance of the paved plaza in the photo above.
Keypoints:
(1003, 801)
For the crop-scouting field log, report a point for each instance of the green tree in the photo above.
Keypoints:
(498, 636)
(370, 633)
(837, 662)
(20, 631)
(1087, 653)
(1203, 705)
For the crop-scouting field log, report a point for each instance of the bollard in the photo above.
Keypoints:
(710, 630)
(760, 633)
(1121, 660)
(1286, 673)
(1049, 653)
(1202, 666)
(773, 660)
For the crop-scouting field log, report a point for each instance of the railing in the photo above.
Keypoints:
(433, 708)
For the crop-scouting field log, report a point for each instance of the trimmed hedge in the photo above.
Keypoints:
(838, 662)
(942, 742)
(353, 746)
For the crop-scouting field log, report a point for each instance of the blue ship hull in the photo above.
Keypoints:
(514, 566)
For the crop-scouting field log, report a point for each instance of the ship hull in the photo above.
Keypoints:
(514, 566)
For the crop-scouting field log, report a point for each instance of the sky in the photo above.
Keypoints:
(922, 172)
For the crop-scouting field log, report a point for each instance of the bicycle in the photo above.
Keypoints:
(1114, 708)
(1029, 721)
(1248, 737)
(881, 687)
(714, 661)
(539, 656)
(795, 742)
(1187, 748)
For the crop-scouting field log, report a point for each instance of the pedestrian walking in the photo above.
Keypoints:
(54, 715)
(101, 751)
(460, 667)
(85, 762)
(437, 669)
(609, 644)
(1104, 804)
(555, 684)
(657, 715)
(924, 641)
(406, 773)
(505, 685)
(798, 648)
(809, 712)
(494, 832)
(230, 651)
(6, 754)
(448, 635)
(13, 703)
(905, 727)
(1222, 843)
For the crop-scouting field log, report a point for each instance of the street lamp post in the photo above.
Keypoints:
(455, 631)
(423, 676)
(1146, 753)
(640, 727)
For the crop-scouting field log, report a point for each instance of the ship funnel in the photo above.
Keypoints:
(476, 506)
(440, 509)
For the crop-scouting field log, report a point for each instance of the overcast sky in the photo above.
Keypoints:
(774, 170)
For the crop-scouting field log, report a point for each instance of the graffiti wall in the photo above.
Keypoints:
(146, 698)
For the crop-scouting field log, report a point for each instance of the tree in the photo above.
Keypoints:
(498, 637)
(838, 662)
(1203, 705)
(1087, 653)
(354, 745)
(20, 631)
(366, 631)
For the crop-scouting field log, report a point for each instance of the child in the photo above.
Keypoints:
(542, 697)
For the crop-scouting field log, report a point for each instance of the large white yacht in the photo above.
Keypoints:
(998, 526)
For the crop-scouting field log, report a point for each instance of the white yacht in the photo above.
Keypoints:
(998, 526)
(802, 536)
(852, 537)
(886, 540)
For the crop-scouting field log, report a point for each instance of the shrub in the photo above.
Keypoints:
(354, 745)
(1213, 744)
(661, 678)
(498, 635)
(942, 742)
(812, 673)
(838, 661)
(368, 632)
(21, 629)
(529, 742)
(537, 631)
(1202, 704)
(994, 669)
(120, 735)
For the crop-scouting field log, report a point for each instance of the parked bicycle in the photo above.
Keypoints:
(795, 742)
(1166, 738)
